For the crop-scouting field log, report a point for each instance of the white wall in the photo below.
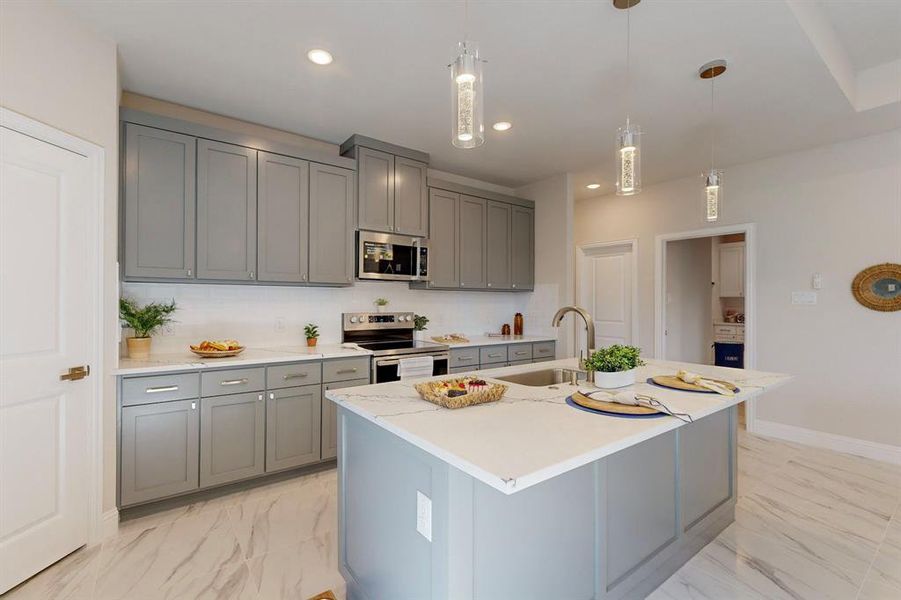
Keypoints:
(688, 312)
(834, 210)
(55, 70)
(554, 257)
(249, 313)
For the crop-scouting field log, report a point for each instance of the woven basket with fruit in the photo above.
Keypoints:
(460, 392)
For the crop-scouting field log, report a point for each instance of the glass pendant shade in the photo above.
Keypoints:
(713, 189)
(468, 129)
(628, 160)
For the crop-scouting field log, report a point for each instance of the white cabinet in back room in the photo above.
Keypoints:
(732, 270)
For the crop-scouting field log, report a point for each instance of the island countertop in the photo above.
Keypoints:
(531, 434)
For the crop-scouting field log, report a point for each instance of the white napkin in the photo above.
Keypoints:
(417, 366)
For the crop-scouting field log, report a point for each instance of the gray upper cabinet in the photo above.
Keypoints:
(226, 211)
(159, 203)
(232, 435)
(472, 230)
(376, 197)
(411, 199)
(331, 224)
(497, 245)
(159, 450)
(292, 427)
(522, 248)
(283, 219)
(444, 217)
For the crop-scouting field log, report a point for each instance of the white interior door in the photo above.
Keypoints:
(48, 274)
(605, 290)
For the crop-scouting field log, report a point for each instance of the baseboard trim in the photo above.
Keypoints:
(830, 441)
(109, 523)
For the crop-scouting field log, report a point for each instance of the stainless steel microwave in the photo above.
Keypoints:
(392, 257)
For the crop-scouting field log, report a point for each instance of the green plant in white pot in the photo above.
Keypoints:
(614, 366)
(145, 321)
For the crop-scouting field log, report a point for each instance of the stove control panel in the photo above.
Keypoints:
(364, 321)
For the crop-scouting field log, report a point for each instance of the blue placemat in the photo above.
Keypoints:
(571, 402)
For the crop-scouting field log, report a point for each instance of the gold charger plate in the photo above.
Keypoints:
(673, 382)
(218, 353)
(611, 407)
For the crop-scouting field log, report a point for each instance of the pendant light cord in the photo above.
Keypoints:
(712, 124)
(628, 61)
(465, 21)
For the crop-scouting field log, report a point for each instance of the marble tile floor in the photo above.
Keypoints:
(810, 524)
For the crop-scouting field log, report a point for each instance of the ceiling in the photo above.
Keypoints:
(555, 70)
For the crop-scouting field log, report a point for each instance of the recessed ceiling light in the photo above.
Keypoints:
(320, 56)
(502, 125)
(593, 186)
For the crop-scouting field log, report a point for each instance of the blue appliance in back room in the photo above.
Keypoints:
(729, 354)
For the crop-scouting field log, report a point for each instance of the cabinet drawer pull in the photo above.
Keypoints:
(520, 352)
(165, 388)
(234, 381)
(495, 355)
(345, 371)
(465, 358)
(294, 376)
(543, 350)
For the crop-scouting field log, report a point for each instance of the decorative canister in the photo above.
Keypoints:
(517, 324)
(505, 329)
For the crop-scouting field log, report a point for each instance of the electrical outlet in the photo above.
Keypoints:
(424, 515)
(279, 323)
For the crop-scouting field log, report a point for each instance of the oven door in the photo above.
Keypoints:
(392, 257)
(385, 369)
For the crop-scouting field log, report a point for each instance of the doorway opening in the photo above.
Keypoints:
(705, 290)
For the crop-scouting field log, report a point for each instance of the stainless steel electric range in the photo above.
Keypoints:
(389, 336)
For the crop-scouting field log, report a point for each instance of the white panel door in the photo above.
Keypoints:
(48, 274)
(606, 292)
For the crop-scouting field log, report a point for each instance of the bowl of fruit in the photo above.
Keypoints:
(217, 348)
(460, 391)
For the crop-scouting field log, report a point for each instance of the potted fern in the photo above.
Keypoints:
(419, 326)
(311, 332)
(145, 321)
(614, 366)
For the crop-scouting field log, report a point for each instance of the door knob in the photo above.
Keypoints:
(76, 373)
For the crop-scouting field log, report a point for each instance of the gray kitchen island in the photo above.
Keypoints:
(530, 497)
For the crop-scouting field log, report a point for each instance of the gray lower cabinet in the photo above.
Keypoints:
(497, 245)
(522, 248)
(159, 450)
(283, 219)
(330, 417)
(159, 203)
(411, 199)
(444, 239)
(376, 190)
(331, 224)
(706, 466)
(472, 243)
(292, 427)
(232, 438)
(226, 211)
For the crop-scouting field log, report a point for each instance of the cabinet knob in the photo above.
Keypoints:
(193, 406)
(190, 273)
(489, 285)
(514, 285)
(303, 277)
(251, 274)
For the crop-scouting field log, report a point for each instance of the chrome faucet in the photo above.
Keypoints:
(589, 324)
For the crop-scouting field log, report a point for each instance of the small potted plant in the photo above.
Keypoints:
(311, 332)
(614, 366)
(419, 326)
(145, 321)
(380, 304)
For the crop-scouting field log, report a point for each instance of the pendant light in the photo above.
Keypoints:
(467, 97)
(628, 138)
(713, 178)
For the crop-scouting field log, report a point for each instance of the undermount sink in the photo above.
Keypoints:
(539, 378)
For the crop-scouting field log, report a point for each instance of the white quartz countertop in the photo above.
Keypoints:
(187, 361)
(485, 340)
(531, 434)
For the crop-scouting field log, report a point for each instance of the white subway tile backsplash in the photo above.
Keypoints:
(249, 313)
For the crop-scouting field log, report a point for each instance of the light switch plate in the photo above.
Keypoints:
(804, 298)
(424, 515)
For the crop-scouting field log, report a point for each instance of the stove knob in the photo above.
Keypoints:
(408, 318)
(353, 319)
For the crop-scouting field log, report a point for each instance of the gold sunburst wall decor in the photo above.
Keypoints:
(879, 287)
